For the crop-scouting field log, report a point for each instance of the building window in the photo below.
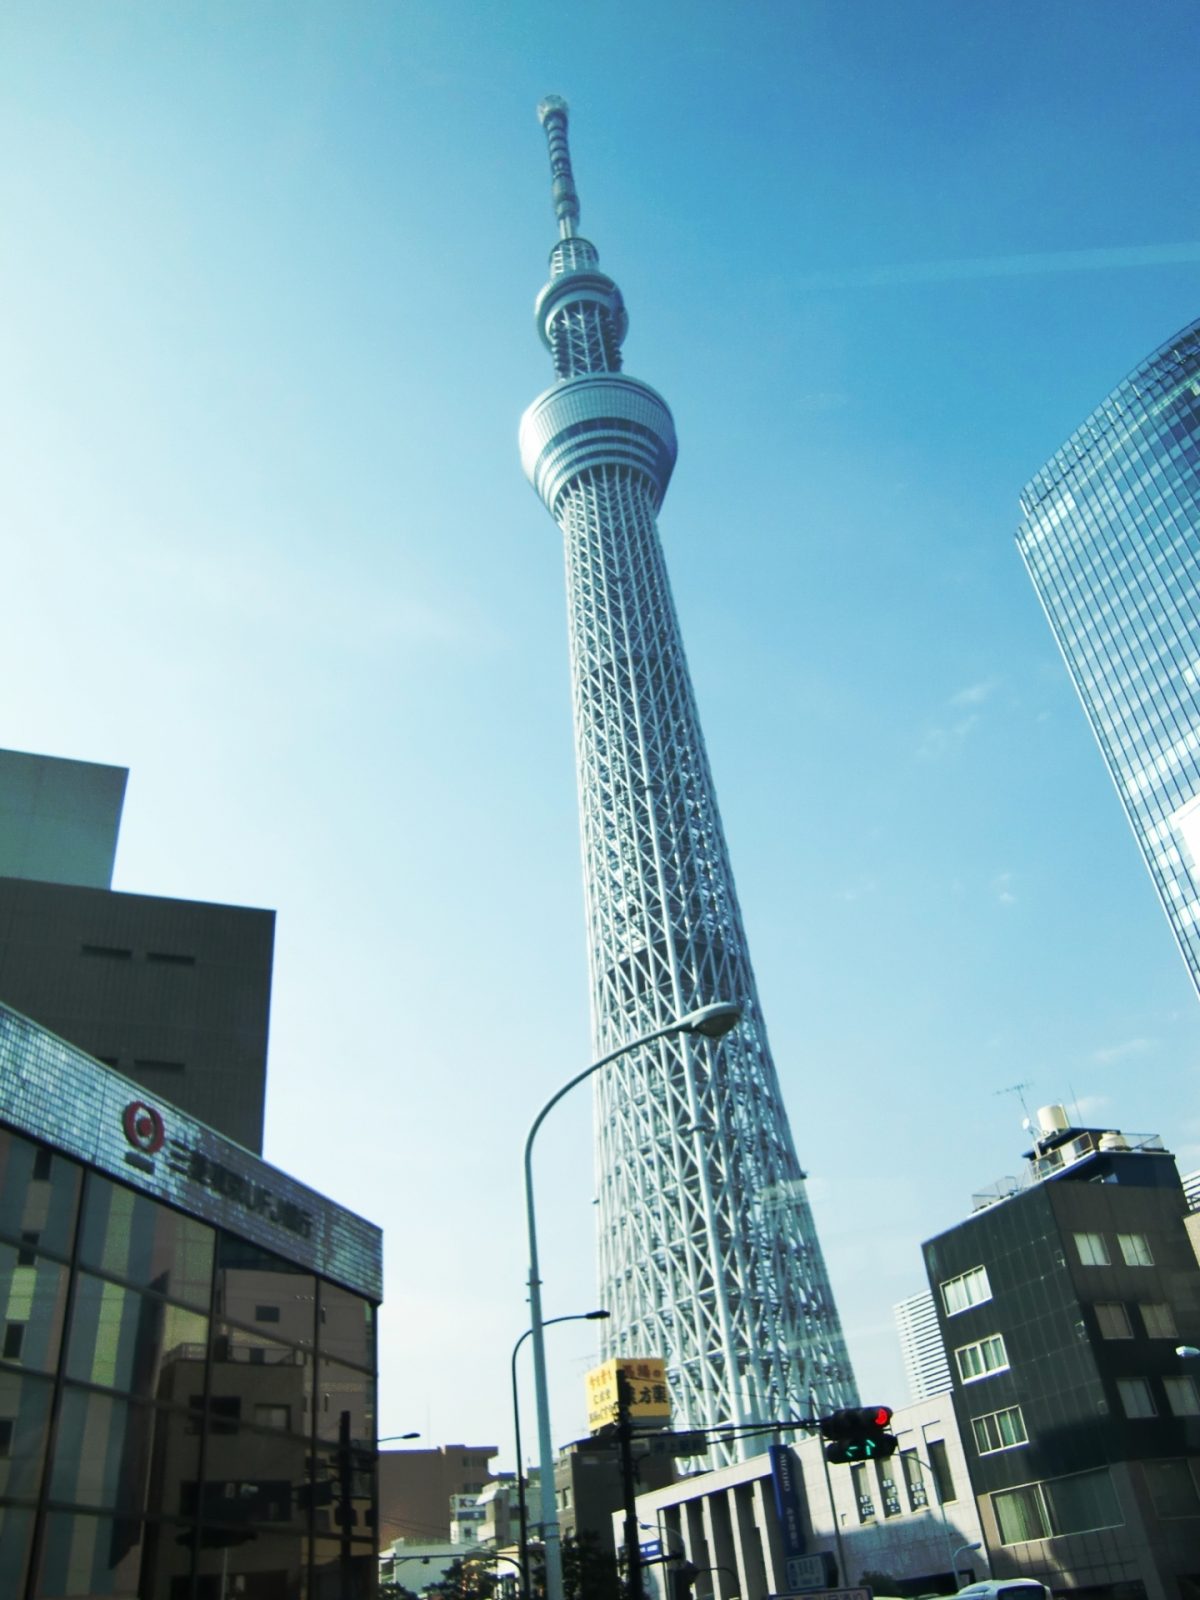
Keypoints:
(1135, 1249)
(939, 1460)
(1172, 1488)
(6, 1433)
(889, 1494)
(27, 1254)
(1077, 1504)
(1136, 1399)
(272, 1416)
(266, 1313)
(981, 1358)
(968, 1289)
(14, 1338)
(1093, 1252)
(1113, 1320)
(1158, 1319)
(999, 1430)
(111, 952)
(41, 1166)
(862, 1491)
(914, 1480)
(1021, 1515)
(1181, 1395)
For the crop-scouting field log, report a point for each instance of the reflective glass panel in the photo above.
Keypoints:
(347, 1326)
(86, 1556)
(32, 1300)
(350, 1573)
(259, 1380)
(264, 1291)
(25, 1407)
(266, 1565)
(124, 1340)
(16, 1532)
(254, 1481)
(131, 1237)
(343, 1389)
(38, 1194)
(116, 1454)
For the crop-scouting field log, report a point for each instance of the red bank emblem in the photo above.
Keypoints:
(143, 1127)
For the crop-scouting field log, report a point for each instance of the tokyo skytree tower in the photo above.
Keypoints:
(708, 1254)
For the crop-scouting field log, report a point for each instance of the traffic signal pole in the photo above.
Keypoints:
(633, 1547)
(843, 1575)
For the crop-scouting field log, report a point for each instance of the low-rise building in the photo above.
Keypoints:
(1067, 1302)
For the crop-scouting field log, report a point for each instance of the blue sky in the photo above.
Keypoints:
(268, 274)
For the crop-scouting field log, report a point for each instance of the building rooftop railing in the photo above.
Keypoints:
(1068, 1154)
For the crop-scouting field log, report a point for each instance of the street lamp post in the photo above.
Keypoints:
(522, 1510)
(960, 1551)
(712, 1021)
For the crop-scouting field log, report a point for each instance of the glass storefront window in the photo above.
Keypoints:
(39, 1194)
(124, 1340)
(128, 1236)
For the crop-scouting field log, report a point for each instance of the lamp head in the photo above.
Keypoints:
(597, 1316)
(713, 1021)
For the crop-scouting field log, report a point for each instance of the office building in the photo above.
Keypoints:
(1063, 1303)
(418, 1489)
(1109, 536)
(779, 1522)
(921, 1346)
(708, 1251)
(187, 1356)
(175, 994)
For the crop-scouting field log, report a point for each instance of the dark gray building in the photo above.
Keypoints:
(1063, 1304)
(175, 994)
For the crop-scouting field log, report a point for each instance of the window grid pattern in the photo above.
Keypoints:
(161, 1430)
(999, 1430)
(1110, 537)
(982, 1358)
(706, 1242)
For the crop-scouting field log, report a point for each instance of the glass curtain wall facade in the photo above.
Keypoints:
(1111, 539)
(184, 1413)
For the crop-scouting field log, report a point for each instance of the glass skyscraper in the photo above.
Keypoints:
(1111, 538)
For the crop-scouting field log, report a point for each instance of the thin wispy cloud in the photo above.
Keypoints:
(942, 738)
(1109, 1054)
(975, 693)
(1002, 889)
(965, 269)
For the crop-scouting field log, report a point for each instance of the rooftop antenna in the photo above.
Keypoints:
(1019, 1090)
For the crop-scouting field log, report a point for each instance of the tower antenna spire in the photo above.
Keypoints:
(552, 114)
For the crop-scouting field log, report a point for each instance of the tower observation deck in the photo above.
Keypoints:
(708, 1254)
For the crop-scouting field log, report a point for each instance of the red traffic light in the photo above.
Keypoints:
(877, 1416)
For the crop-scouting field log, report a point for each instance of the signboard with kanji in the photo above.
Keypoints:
(647, 1395)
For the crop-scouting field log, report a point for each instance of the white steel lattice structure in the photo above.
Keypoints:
(707, 1250)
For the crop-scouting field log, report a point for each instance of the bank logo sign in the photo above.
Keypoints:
(146, 1132)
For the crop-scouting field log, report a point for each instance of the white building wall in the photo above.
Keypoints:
(725, 1522)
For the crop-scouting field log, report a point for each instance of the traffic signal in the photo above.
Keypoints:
(859, 1433)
